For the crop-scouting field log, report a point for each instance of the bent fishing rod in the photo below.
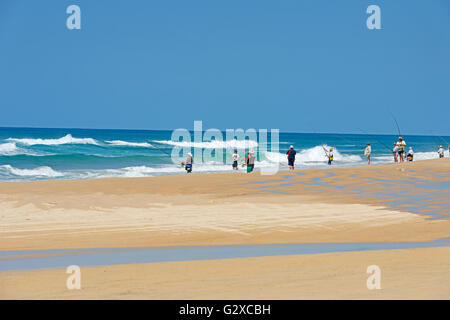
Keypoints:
(442, 138)
(320, 141)
(396, 123)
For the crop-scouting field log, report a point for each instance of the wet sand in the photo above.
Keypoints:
(385, 203)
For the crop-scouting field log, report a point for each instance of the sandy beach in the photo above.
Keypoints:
(384, 203)
(405, 274)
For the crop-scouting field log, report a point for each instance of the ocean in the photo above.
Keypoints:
(40, 154)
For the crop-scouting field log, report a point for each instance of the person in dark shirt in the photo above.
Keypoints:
(291, 157)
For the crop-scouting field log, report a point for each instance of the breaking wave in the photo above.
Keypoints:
(238, 144)
(313, 155)
(67, 139)
(129, 144)
(7, 149)
(36, 172)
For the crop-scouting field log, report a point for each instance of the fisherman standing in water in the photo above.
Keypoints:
(441, 152)
(367, 152)
(235, 158)
(291, 157)
(188, 163)
(395, 152)
(401, 148)
(250, 161)
(329, 155)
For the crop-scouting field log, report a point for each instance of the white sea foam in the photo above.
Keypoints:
(129, 144)
(427, 155)
(7, 149)
(36, 172)
(238, 144)
(11, 149)
(417, 156)
(67, 139)
(313, 155)
(144, 171)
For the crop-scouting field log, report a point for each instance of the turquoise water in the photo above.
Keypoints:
(37, 154)
(23, 260)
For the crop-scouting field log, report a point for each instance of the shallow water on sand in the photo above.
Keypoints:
(24, 260)
(413, 195)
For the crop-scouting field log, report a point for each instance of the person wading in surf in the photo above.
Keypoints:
(367, 152)
(395, 152)
(291, 157)
(188, 163)
(235, 158)
(250, 161)
(441, 152)
(329, 154)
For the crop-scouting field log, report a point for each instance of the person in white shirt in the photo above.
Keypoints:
(410, 155)
(395, 152)
(441, 152)
(367, 152)
(188, 163)
(235, 158)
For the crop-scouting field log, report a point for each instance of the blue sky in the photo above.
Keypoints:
(291, 65)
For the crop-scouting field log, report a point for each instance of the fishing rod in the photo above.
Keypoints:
(320, 141)
(396, 123)
(442, 138)
(448, 144)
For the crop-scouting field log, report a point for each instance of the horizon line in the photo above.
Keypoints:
(222, 130)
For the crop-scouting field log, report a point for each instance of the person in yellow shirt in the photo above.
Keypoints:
(401, 144)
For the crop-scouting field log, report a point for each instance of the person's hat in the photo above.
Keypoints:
(189, 154)
(291, 147)
(251, 151)
(440, 146)
(400, 138)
